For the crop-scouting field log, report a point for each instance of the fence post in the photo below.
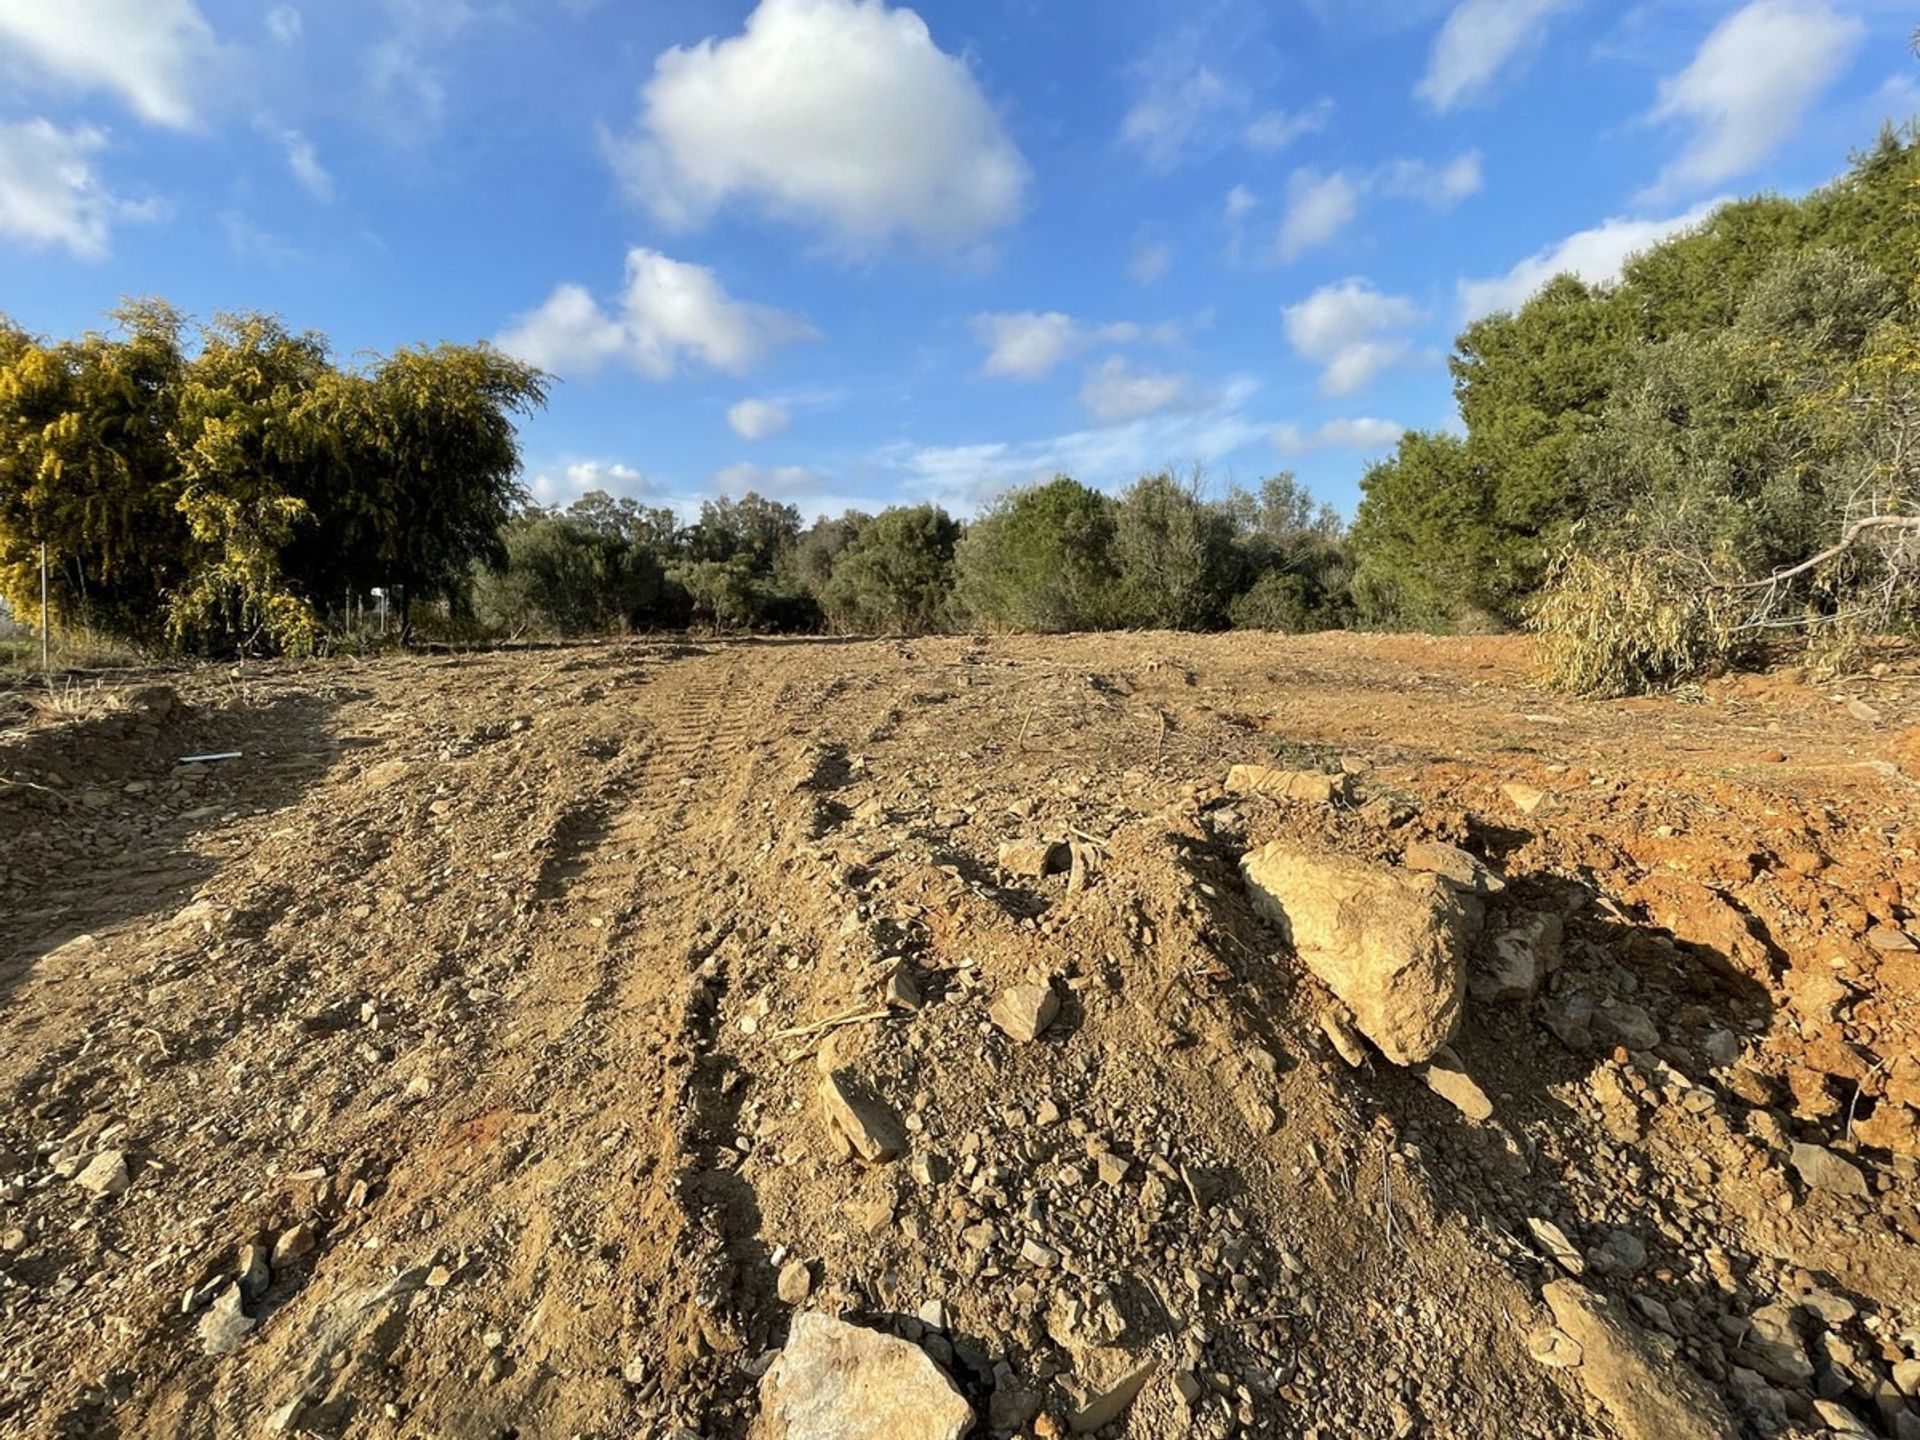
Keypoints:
(46, 663)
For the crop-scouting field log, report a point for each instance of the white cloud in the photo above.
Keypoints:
(152, 53)
(965, 476)
(1319, 207)
(841, 115)
(671, 316)
(1150, 261)
(757, 419)
(1361, 433)
(1353, 332)
(1028, 344)
(407, 87)
(1750, 84)
(1439, 186)
(1114, 391)
(776, 482)
(584, 476)
(1479, 40)
(1239, 201)
(1276, 129)
(284, 24)
(1175, 111)
(303, 160)
(1595, 255)
(49, 193)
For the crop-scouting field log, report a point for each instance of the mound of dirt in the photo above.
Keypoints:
(519, 1044)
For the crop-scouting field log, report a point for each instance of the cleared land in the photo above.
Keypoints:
(487, 996)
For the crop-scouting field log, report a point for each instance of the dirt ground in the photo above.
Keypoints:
(472, 1023)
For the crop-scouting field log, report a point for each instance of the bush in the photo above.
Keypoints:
(897, 574)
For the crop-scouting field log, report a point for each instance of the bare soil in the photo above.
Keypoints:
(506, 976)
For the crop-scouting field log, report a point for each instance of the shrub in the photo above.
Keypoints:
(1622, 623)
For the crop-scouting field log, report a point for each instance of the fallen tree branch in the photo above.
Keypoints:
(1848, 539)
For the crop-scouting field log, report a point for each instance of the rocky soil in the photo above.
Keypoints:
(1135, 1035)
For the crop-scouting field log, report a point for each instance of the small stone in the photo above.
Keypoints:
(1630, 1024)
(1039, 1256)
(13, 1240)
(1820, 1169)
(933, 1314)
(903, 991)
(1558, 1247)
(1906, 1378)
(634, 1372)
(1722, 1049)
(105, 1174)
(1773, 1346)
(1112, 1169)
(225, 1324)
(1519, 958)
(795, 1283)
(1104, 1401)
(1454, 865)
(1523, 797)
(1337, 1026)
(1447, 1077)
(1033, 858)
(439, 1277)
(1187, 1386)
(870, 1127)
(1621, 1253)
(1024, 1012)
(1553, 1347)
(294, 1243)
(253, 1272)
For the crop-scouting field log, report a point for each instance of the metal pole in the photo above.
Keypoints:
(45, 662)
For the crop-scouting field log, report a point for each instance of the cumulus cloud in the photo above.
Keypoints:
(1319, 207)
(1360, 433)
(49, 193)
(1028, 344)
(153, 54)
(1750, 84)
(1595, 256)
(840, 115)
(671, 316)
(1274, 130)
(1353, 332)
(1479, 40)
(570, 482)
(757, 419)
(1114, 391)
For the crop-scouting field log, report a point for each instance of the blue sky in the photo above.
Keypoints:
(854, 253)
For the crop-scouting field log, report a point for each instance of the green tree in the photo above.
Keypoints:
(1174, 555)
(87, 465)
(897, 574)
(1040, 558)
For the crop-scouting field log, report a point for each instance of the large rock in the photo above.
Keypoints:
(1390, 944)
(836, 1381)
(1649, 1392)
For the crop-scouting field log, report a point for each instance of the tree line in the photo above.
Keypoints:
(1654, 474)
(1052, 557)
